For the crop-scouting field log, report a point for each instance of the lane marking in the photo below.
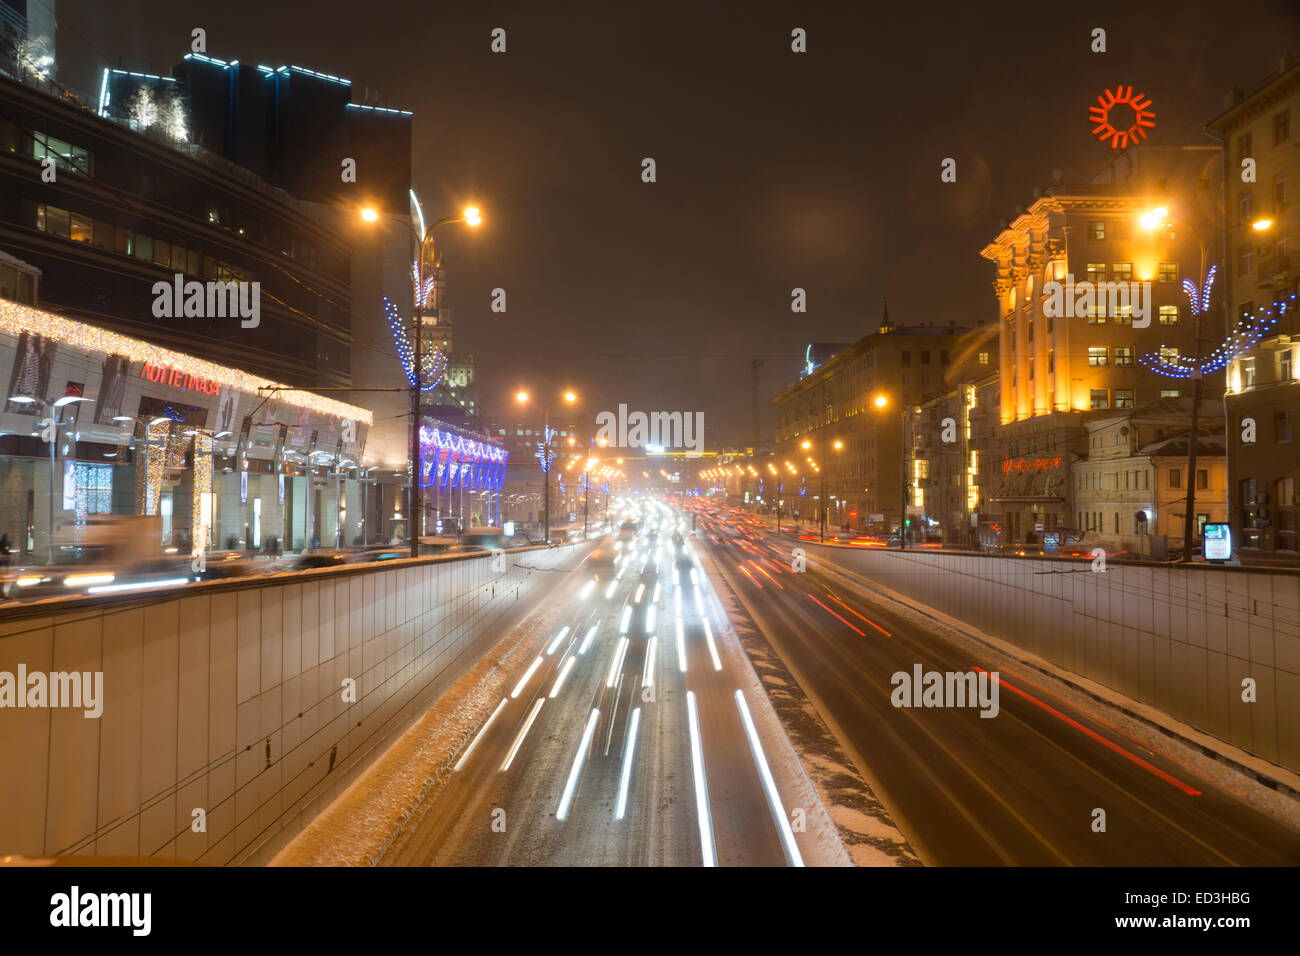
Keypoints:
(713, 648)
(681, 647)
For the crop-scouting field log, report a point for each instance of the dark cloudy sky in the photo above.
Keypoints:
(775, 170)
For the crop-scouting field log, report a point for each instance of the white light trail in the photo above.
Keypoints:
(519, 737)
(713, 648)
(569, 787)
(586, 641)
(656, 594)
(558, 637)
(648, 670)
(681, 647)
(609, 591)
(587, 589)
(519, 688)
(769, 785)
(617, 663)
(627, 764)
(627, 616)
(640, 590)
(564, 672)
(479, 736)
(701, 786)
(650, 620)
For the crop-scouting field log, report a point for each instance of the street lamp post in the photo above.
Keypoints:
(1155, 219)
(472, 217)
(837, 444)
(545, 458)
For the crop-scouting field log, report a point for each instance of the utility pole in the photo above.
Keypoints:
(903, 455)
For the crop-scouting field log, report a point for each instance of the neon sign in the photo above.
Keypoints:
(1021, 465)
(1143, 118)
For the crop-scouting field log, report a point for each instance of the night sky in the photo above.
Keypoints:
(775, 170)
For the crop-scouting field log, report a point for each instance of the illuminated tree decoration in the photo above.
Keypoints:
(33, 56)
(1143, 118)
(142, 108)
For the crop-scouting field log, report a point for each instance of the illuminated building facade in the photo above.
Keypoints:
(1262, 269)
(858, 398)
(1071, 349)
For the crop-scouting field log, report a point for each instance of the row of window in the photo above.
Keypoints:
(1123, 272)
(1099, 229)
(65, 155)
(1281, 133)
(105, 235)
(906, 358)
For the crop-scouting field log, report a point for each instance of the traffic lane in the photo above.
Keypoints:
(1179, 817)
(1165, 827)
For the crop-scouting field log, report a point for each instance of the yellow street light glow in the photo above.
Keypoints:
(370, 214)
(1153, 218)
(838, 444)
(881, 401)
(1259, 225)
(570, 397)
(521, 396)
(806, 445)
(472, 215)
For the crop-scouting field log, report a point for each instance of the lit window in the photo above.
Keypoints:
(1123, 355)
(1169, 393)
(1168, 315)
(984, 358)
(1168, 272)
(1097, 229)
(1122, 271)
(1123, 399)
(1096, 272)
(1098, 355)
(1099, 398)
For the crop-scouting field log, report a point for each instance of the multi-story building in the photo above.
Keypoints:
(1130, 488)
(849, 416)
(1065, 357)
(108, 200)
(1262, 149)
(954, 434)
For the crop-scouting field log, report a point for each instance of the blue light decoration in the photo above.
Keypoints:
(434, 364)
(451, 460)
(1247, 333)
(545, 453)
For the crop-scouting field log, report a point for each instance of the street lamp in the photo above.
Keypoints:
(544, 455)
(472, 217)
(1151, 220)
(821, 470)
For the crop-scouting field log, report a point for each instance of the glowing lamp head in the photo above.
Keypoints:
(521, 397)
(805, 445)
(570, 397)
(838, 444)
(1259, 225)
(881, 401)
(472, 215)
(370, 214)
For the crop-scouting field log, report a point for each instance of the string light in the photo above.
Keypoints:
(16, 318)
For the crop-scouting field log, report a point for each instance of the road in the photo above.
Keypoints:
(615, 713)
(1020, 788)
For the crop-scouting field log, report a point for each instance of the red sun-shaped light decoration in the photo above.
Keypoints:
(1143, 118)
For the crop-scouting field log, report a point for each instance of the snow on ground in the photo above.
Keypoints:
(1198, 752)
(372, 816)
(848, 824)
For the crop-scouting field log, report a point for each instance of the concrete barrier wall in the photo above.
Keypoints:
(1180, 639)
(228, 697)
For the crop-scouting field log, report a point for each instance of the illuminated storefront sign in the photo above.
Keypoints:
(1021, 465)
(178, 379)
